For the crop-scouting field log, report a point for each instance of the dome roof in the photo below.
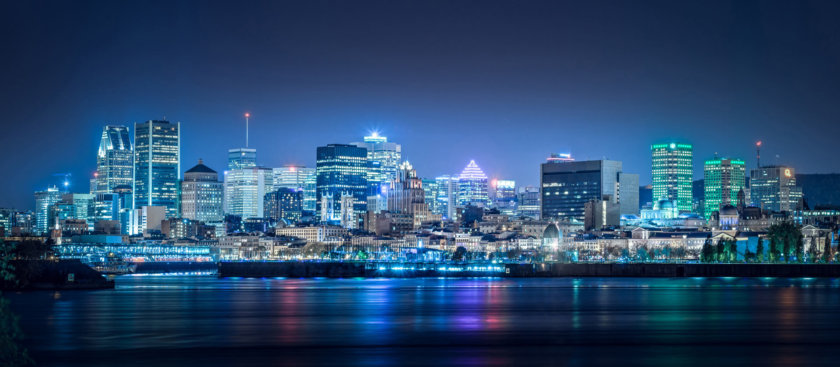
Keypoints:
(728, 210)
(665, 204)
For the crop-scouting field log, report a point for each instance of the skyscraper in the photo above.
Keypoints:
(672, 171)
(722, 180)
(340, 170)
(774, 188)
(382, 159)
(157, 165)
(447, 196)
(114, 160)
(472, 186)
(406, 200)
(245, 190)
(202, 195)
(291, 176)
(568, 185)
(284, 204)
(43, 201)
(242, 158)
(504, 196)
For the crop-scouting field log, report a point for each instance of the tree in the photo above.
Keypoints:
(12, 353)
(774, 250)
(799, 249)
(759, 250)
(826, 256)
(459, 254)
(721, 248)
(707, 253)
(733, 250)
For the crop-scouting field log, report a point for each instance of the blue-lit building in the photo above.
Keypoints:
(473, 187)
(44, 200)
(157, 165)
(114, 160)
(202, 195)
(568, 185)
(284, 204)
(383, 157)
(340, 171)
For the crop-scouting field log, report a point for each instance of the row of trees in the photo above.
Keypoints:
(785, 244)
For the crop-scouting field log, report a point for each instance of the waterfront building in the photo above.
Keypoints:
(341, 170)
(473, 186)
(723, 179)
(146, 220)
(284, 204)
(382, 160)
(314, 233)
(202, 195)
(114, 160)
(774, 188)
(672, 170)
(157, 165)
(568, 185)
(44, 200)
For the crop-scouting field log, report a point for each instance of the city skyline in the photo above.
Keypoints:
(446, 92)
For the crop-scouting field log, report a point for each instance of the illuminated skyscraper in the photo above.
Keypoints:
(672, 171)
(114, 160)
(284, 204)
(472, 186)
(568, 185)
(245, 190)
(202, 195)
(157, 165)
(43, 201)
(383, 158)
(291, 176)
(242, 158)
(340, 170)
(504, 196)
(722, 179)
(447, 196)
(774, 188)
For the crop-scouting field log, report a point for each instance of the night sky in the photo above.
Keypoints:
(504, 83)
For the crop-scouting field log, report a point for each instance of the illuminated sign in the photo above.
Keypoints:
(787, 172)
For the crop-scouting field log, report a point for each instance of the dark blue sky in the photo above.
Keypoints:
(504, 83)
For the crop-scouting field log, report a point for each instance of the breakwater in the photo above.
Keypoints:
(153, 267)
(54, 275)
(298, 269)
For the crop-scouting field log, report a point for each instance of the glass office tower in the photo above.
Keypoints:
(157, 165)
(722, 179)
(340, 171)
(382, 159)
(114, 160)
(672, 171)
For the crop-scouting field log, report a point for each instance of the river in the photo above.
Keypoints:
(185, 320)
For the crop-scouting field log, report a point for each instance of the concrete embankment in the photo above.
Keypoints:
(175, 267)
(55, 275)
(409, 270)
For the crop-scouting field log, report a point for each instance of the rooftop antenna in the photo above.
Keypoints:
(247, 115)
(758, 154)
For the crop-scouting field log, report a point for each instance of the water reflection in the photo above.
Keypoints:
(202, 320)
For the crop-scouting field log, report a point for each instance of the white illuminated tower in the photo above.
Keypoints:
(472, 186)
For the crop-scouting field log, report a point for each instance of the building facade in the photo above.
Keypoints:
(202, 195)
(473, 187)
(284, 204)
(157, 165)
(672, 171)
(382, 160)
(114, 160)
(723, 179)
(774, 188)
(340, 170)
(44, 200)
(568, 185)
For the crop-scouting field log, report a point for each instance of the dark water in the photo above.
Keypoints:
(205, 321)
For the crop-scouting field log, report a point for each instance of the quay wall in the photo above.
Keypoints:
(295, 269)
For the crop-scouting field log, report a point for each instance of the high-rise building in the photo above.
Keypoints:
(382, 160)
(114, 160)
(309, 185)
(43, 201)
(202, 195)
(340, 170)
(473, 186)
(406, 200)
(722, 180)
(672, 170)
(284, 204)
(245, 190)
(529, 202)
(774, 188)
(291, 176)
(447, 196)
(628, 194)
(504, 196)
(157, 165)
(242, 158)
(430, 188)
(568, 185)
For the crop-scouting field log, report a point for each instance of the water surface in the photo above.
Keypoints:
(206, 321)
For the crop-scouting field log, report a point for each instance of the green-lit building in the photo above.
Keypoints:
(672, 171)
(723, 179)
